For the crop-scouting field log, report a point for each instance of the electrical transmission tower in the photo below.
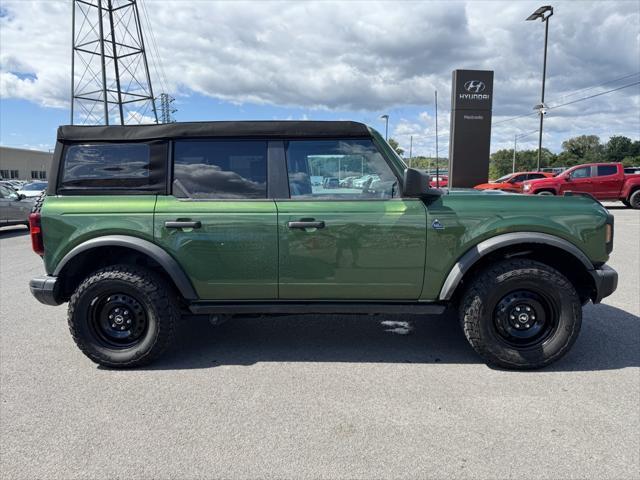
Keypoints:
(110, 81)
(166, 109)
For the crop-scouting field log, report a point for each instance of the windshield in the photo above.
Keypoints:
(503, 179)
(35, 186)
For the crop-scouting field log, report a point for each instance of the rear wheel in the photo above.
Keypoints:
(634, 200)
(521, 314)
(123, 316)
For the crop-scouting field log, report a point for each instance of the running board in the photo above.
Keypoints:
(286, 307)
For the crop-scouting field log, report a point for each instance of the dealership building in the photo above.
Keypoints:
(23, 164)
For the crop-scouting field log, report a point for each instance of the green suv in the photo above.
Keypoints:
(144, 225)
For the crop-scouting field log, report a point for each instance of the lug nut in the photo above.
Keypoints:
(527, 325)
(128, 321)
(512, 317)
(517, 309)
(113, 325)
(528, 309)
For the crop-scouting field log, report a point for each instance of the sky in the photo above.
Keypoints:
(349, 60)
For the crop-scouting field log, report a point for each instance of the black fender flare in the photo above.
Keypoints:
(166, 261)
(485, 247)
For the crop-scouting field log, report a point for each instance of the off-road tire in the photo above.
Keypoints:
(634, 200)
(478, 313)
(157, 299)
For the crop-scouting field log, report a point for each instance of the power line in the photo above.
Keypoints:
(600, 85)
(155, 51)
(594, 95)
(575, 92)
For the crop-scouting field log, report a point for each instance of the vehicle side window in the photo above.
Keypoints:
(220, 169)
(338, 169)
(583, 172)
(533, 176)
(518, 178)
(4, 192)
(131, 166)
(604, 170)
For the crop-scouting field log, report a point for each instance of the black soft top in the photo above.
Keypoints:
(304, 128)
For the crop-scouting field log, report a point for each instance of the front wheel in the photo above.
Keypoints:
(123, 316)
(634, 200)
(545, 192)
(521, 314)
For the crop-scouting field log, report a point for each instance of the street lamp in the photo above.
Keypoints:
(542, 13)
(386, 125)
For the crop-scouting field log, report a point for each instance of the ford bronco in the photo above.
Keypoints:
(143, 225)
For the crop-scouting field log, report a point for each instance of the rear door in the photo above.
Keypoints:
(355, 240)
(580, 181)
(608, 182)
(218, 222)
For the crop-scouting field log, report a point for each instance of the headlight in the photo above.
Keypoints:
(527, 187)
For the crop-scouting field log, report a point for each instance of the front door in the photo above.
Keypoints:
(219, 223)
(344, 233)
(579, 181)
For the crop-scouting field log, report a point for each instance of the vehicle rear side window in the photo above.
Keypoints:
(220, 169)
(117, 166)
(604, 170)
(533, 176)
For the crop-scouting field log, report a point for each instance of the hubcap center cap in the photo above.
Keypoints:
(118, 319)
(523, 318)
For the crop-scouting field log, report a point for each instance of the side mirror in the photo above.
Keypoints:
(416, 184)
(568, 178)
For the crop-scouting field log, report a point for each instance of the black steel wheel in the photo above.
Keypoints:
(123, 316)
(525, 318)
(520, 314)
(119, 319)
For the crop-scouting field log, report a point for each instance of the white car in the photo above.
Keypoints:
(32, 189)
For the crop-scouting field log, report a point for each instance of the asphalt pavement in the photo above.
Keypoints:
(318, 397)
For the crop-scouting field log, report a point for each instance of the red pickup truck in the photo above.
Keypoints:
(605, 181)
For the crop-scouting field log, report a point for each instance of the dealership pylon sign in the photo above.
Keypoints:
(470, 140)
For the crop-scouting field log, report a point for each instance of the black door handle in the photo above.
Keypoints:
(302, 224)
(182, 224)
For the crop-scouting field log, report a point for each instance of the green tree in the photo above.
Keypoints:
(584, 149)
(501, 162)
(619, 147)
(396, 146)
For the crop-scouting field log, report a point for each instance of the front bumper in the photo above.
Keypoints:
(46, 289)
(605, 279)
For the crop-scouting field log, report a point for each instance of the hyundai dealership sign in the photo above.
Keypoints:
(471, 102)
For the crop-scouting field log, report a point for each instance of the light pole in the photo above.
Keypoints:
(410, 149)
(386, 125)
(515, 145)
(543, 13)
(437, 162)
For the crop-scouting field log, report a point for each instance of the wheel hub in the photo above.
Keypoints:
(523, 318)
(119, 319)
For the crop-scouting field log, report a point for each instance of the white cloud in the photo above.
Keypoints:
(359, 56)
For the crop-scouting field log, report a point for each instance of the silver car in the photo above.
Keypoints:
(14, 208)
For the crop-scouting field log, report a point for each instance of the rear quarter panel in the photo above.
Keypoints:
(631, 183)
(68, 221)
(471, 217)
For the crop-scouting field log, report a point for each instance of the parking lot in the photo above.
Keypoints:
(318, 397)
